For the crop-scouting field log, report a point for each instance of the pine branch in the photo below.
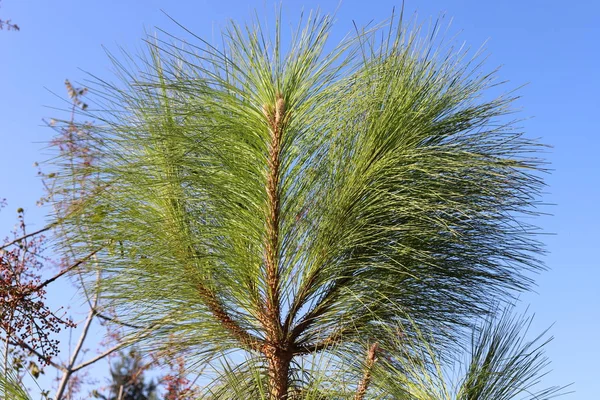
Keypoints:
(366, 379)
(246, 340)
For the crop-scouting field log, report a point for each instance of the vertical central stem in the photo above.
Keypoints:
(275, 117)
(276, 349)
(279, 371)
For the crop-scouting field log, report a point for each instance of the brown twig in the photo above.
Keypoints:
(64, 271)
(116, 321)
(39, 355)
(20, 239)
(99, 357)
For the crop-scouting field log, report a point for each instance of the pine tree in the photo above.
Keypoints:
(309, 223)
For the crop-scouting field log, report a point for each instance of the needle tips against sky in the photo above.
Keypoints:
(551, 47)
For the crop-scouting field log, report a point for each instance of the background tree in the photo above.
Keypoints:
(28, 327)
(284, 213)
(128, 381)
(177, 385)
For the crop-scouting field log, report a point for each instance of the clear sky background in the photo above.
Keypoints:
(552, 46)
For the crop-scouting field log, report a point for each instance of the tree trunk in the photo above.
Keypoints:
(279, 373)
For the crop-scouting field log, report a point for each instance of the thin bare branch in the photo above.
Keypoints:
(99, 356)
(116, 321)
(64, 271)
(39, 355)
(21, 238)
(69, 370)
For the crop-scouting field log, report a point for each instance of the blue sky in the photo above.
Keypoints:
(551, 46)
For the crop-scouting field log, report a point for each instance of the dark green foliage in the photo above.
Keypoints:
(128, 381)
